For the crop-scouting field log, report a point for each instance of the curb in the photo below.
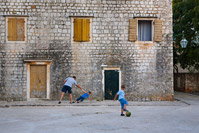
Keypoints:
(176, 103)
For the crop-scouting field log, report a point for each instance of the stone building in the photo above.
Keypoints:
(104, 43)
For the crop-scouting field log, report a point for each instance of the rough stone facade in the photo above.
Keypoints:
(186, 82)
(146, 69)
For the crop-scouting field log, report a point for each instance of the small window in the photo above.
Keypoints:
(16, 29)
(81, 30)
(144, 30)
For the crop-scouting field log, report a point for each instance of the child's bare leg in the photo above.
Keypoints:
(122, 111)
(62, 95)
(70, 95)
(125, 106)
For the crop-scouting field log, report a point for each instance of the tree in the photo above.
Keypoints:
(186, 24)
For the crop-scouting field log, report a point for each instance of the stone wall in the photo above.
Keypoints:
(146, 69)
(186, 82)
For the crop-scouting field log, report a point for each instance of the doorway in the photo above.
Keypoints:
(111, 83)
(38, 81)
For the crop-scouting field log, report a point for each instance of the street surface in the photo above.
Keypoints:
(182, 118)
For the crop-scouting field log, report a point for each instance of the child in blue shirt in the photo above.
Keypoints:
(121, 99)
(84, 96)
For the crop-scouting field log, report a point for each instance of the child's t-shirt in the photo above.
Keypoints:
(85, 95)
(121, 94)
(70, 82)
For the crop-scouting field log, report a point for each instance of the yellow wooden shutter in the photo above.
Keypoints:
(12, 35)
(85, 30)
(158, 30)
(133, 30)
(20, 30)
(77, 30)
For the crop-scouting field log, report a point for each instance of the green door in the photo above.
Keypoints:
(111, 83)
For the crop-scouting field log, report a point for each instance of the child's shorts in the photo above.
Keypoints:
(123, 102)
(67, 88)
(80, 98)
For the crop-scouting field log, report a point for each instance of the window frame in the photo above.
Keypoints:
(72, 29)
(25, 29)
(152, 29)
(142, 34)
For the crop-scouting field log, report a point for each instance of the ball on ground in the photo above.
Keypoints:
(128, 114)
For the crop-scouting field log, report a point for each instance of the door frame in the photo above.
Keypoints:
(38, 62)
(103, 77)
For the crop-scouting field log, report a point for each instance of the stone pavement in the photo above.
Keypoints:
(177, 102)
(180, 116)
(187, 98)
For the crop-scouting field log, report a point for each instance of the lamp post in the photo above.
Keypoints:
(196, 40)
(183, 43)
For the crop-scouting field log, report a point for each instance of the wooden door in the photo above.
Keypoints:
(38, 78)
(111, 83)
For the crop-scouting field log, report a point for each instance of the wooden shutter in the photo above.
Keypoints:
(20, 30)
(77, 30)
(133, 30)
(85, 30)
(12, 35)
(158, 30)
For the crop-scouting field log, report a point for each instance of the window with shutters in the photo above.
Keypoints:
(145, 30)
(81, 30)
(16, 29)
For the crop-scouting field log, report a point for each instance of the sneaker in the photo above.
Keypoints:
(72, 102)
(126, 110)
(122, 115)
(77, 101)
(59, 102)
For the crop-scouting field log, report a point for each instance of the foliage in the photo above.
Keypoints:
(186, 24)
